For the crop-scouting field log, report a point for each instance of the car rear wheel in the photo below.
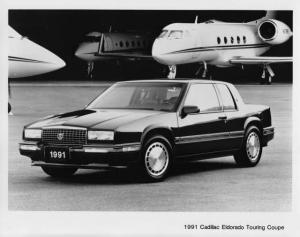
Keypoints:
(156, 158)
(251, 150)
(59, 172)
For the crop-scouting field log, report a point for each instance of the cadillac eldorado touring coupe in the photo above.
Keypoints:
(149, 125)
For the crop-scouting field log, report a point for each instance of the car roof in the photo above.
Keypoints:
(179, 80)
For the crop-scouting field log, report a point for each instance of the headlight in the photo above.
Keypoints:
(101, 135)
(33, 133)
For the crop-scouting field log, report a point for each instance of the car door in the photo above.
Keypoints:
(205, 131)
(235, 118)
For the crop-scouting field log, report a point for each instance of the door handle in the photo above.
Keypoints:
(223, 117)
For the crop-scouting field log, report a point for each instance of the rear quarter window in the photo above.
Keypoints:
(226, 97)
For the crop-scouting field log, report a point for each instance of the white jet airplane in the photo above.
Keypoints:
(27, 58)
(221, 44)
(98, 46)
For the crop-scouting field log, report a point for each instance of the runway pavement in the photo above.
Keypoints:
(211, 185)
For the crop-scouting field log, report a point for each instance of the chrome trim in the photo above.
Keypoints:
(237, 133)
(91, 149)
(209, 137)
(114, 148)
(203, 137)
(64, 127)
(107, 148)
(23, 147)
(268, 131)
(129, 144)
(87, 166)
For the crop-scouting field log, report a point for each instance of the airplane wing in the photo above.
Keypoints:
(260, 60)
(128, 55)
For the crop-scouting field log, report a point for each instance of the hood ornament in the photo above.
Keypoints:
(60, 136)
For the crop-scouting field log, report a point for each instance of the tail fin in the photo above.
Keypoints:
(270, 14)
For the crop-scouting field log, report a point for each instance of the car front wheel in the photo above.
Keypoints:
(251, 150)
(59, 172)
(156, 158)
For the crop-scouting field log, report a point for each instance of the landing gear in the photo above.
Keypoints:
(9, 108)
(9, 96)
(267, 72)
(90, 69)
(204, 73)
(172, 72)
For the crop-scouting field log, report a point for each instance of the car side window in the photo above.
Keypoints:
(227, 100)
(204, 96)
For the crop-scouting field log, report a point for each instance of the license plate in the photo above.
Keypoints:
(57, 154)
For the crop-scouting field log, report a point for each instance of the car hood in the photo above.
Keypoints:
(97, 119)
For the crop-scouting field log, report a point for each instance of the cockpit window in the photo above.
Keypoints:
(163, 34)
(176, 34)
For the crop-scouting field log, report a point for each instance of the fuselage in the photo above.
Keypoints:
(213, 42)
(27, 58)
(111, 42)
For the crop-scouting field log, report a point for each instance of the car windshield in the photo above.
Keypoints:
(150, 96)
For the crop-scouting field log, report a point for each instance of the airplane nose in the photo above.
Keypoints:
(79, 52)
(86, 51)
(60, 63)
(158, 51)
(53, 60)
(29, 59)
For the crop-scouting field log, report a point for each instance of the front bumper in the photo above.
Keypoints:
(87, 156)
(268, 135)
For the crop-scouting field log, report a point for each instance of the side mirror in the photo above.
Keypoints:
(189, 110)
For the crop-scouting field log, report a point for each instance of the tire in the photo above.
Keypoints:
(250, 153)
(59, 172)
(156, 158)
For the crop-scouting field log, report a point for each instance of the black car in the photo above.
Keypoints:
(151, 124)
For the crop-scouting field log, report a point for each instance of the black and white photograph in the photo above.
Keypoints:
(119, 117)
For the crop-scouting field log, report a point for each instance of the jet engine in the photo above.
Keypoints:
(273, 31)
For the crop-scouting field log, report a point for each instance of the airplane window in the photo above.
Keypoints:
(238, 39)
(225, 40)
(138, 43)
(244, 39)
(218, 40)
(127, 44)
(163, 34)
(231, 39)
(121, 44)
(176, 34)
(144, 43)
(132, 43)
(117, 44)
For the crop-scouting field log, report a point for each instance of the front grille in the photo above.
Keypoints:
(63, 136)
